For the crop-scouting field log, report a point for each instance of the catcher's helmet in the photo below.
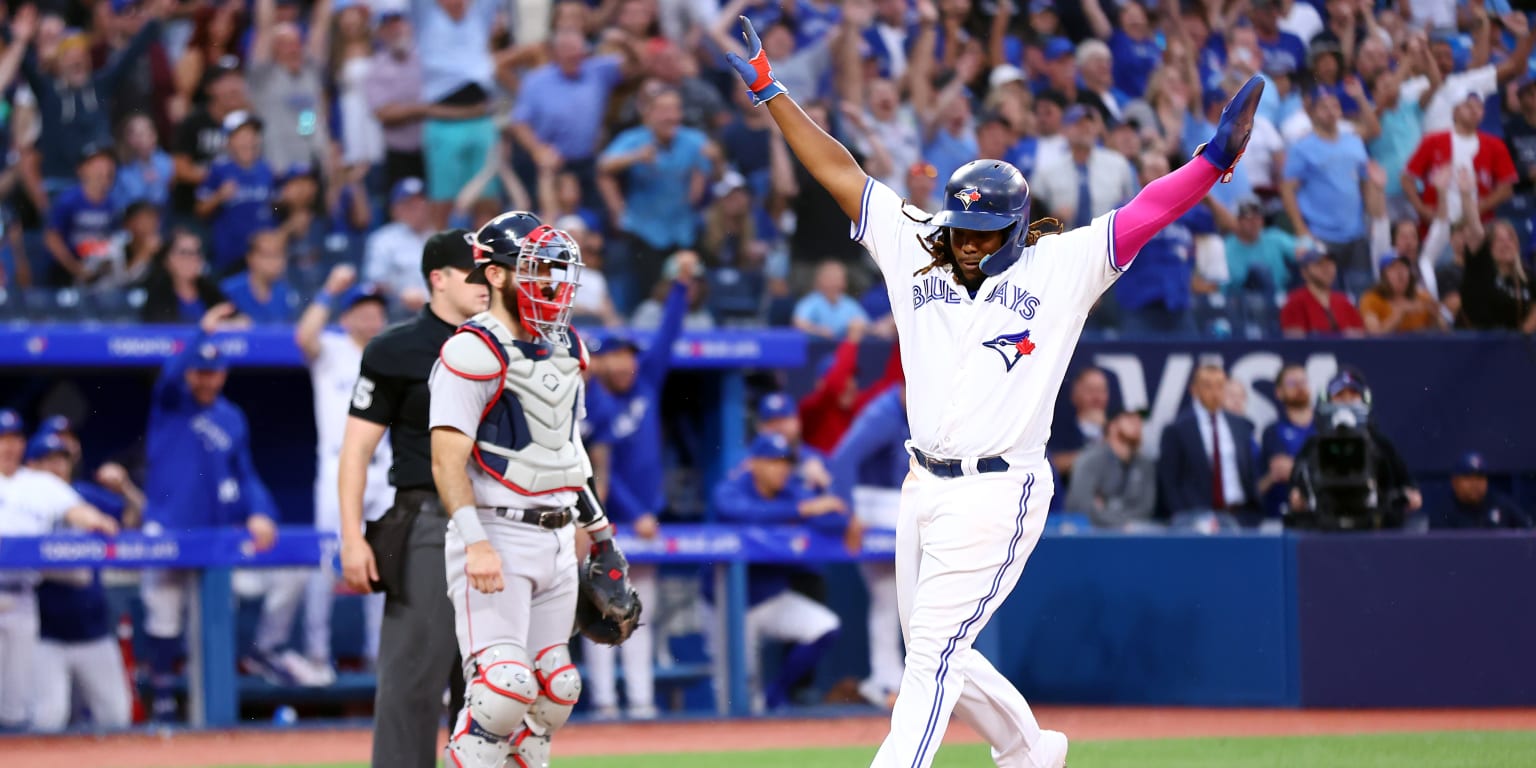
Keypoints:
(500, 241)
(986, 196)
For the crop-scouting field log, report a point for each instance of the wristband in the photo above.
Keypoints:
(324, 299)
(601, 534)
(467, 520)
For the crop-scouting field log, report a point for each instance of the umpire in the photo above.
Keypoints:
(402, 553)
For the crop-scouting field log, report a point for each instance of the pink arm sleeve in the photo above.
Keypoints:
(1158, 205)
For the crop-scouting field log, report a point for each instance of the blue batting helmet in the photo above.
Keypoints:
(986, 196)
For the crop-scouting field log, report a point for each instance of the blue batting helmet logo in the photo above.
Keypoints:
(968, 196)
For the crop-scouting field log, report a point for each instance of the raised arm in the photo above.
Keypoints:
(1171, 196)
(22, 28)
(848, 47)
(825, 157)
(261, 35)
(312, 323)
(1515, 64)
(1098, 21)
(319, 44)
(109, 77)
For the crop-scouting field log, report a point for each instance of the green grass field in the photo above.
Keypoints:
(1420, 750)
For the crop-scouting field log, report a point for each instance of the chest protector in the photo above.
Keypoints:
(527, 437)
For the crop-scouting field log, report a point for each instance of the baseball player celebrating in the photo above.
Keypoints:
(506, 395)
(988, 308)
(334, 358)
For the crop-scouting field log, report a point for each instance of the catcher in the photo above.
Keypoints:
(506, 395)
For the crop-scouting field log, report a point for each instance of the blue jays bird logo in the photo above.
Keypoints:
(967, 196)
(1012, 346)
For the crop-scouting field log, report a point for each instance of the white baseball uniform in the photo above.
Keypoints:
(332, 376)
(982, 377)
(32, 503)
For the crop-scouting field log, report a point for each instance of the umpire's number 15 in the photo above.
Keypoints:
(362, 393)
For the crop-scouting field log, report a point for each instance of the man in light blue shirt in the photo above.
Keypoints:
(1325, 173)
(664, 167)
(558, 118)
(828, 310)
(560, 105)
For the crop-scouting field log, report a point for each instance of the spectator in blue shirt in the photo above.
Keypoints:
(1283, 439)
(82, 223)
(78, 663)
(1135, 50)
(236, 196)
(828, 310)
(1277, 44)
(261, 292)
(768, 493)
(200, 475)
(145, 172)
(664, 167)
(1324, 190)
(558, 118)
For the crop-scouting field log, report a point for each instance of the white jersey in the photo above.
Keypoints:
(332, 376)
(32, 503)
(982, 374)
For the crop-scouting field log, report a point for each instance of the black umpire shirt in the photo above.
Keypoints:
(392, 391)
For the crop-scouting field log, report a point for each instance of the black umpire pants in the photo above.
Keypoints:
(418, 652)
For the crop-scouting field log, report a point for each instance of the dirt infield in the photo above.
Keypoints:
(295, 747)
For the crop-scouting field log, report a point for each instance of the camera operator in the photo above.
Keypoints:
(1349, 476)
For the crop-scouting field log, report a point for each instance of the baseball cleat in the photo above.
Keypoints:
(1050, 751)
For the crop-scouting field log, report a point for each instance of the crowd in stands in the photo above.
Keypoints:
(165, 157)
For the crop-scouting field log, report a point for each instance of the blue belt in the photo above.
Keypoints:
(956, 467)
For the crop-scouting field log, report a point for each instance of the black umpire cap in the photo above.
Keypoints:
(447, 249)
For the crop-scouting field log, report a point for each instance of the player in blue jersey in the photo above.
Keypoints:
(633, 379)
(200, 475)
(770, 493)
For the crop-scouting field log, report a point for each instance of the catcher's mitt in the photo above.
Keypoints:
(607, 607)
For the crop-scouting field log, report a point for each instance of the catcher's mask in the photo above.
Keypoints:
(546, 272)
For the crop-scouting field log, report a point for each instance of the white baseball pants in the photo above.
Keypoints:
(90, 674)
(537, 607)
(961, 545)
(18, 649)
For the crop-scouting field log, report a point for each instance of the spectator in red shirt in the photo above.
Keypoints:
(1464, 146)
(829, 408)
(1315, 308)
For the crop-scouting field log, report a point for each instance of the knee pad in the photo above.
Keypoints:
(501, 690)
(559, 688)
(530, 750)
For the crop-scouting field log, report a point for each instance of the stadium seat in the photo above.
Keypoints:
(111, 306)
(735, 295)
